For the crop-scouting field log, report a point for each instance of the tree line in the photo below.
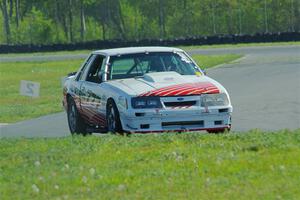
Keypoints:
(70, 21)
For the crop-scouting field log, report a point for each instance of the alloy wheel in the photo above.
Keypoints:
(111, 120)
(72, 117)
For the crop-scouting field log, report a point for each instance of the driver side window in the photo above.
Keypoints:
(94, 69)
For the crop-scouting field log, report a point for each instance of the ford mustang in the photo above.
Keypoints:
(142, 90)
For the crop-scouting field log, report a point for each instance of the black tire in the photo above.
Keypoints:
(224, 130)
(75, 121)
(113, 118)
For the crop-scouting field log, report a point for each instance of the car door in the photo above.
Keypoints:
(92, 104)
(76, 85)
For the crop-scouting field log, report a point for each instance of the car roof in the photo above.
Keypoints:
(131, 50)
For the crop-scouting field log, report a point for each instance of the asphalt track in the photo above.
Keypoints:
(264, 87)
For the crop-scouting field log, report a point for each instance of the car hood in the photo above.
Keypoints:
(167, 84)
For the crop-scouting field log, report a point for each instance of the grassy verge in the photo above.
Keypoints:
(253, 165)
(15, 107)
(206, 62)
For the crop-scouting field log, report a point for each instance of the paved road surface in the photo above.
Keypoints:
(54, 125)
(264, 88)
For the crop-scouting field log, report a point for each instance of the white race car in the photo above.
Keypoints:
(142, 90)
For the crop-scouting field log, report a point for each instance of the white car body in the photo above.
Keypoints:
(181, 97)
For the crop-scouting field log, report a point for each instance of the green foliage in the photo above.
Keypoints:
(95, 30)
(251, 165)
(35, 29)
(2, 33)
(48, 21)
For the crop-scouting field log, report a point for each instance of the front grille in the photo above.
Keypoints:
(180, 104)
(183, 123)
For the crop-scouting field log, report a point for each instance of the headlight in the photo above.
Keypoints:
(146, 102)
(214, 100)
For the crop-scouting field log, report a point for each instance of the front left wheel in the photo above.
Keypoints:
(75, 121)
(113, 118)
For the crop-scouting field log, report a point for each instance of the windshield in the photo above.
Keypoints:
(132, 65)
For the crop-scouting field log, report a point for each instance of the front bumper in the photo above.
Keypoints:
(176, 120)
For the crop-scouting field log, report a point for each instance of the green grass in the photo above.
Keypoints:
(49, 73)
(15, 107)
(206, 62)
(253, 165)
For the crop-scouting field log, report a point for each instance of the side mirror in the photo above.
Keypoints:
(71, 74)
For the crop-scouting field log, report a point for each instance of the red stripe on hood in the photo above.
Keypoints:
(184, 90)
